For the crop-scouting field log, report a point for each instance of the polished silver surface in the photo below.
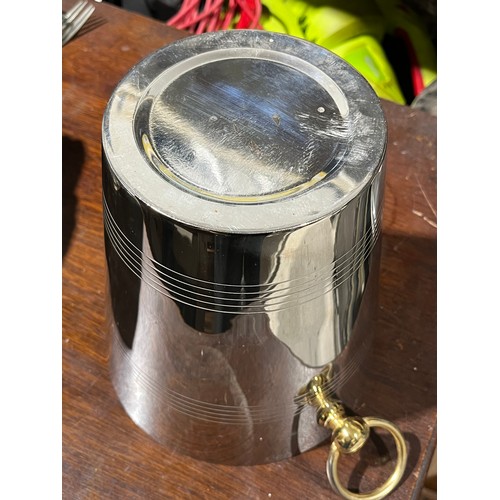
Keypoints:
(244, 132)
(242, 195)
(199, 128)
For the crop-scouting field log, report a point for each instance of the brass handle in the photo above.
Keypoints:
(392, 481)
(349, 434)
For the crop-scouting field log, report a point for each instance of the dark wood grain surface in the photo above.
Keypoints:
(104, 454)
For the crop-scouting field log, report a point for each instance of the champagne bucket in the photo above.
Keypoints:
(242, 195)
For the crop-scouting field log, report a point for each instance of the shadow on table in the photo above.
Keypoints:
(73, 155)
(93, 23)
(397, 381)
(380, 452)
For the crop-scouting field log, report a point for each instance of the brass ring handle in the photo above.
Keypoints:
(392, 481)
(349, 434)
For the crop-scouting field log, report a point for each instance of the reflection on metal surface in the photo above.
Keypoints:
(242, 199)
(294, 278)
(297, 132)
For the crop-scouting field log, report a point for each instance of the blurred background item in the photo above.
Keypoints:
(392, 43)
(427, 99)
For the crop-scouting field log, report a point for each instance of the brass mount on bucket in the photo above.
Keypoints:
(349, 434)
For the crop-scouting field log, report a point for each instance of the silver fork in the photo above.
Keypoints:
(71, 13)
(74, 19)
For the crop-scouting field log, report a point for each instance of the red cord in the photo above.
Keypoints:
(196, 18)
(216, 15)
(186, 8)
(228, 18)
(415, 70)
(203, 23)
(246, 16)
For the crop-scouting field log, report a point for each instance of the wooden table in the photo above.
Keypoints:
(104, 454)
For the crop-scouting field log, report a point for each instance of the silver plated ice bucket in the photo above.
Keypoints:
(243, 181)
